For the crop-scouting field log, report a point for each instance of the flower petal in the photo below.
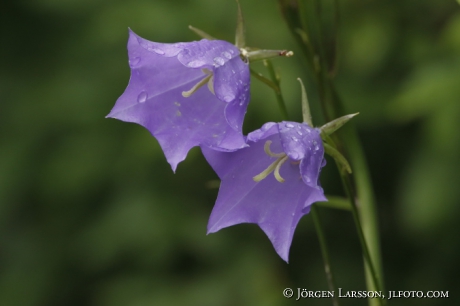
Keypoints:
(231, 85)
(154, 98)
(276, 207)
(310, 166)
(296, 138)
(220, 164)
(302, 142)
(207, 54)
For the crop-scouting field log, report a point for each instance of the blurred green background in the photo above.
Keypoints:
(91, 213)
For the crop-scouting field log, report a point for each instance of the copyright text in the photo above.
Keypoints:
(301, 293)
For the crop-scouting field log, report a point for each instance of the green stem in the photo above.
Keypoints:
(367, 209)
(297, 17)
(370, 267)
(266, 81)
(324, 252)
(314, 209)
(335, 202)
(279, 98)
(364, 214)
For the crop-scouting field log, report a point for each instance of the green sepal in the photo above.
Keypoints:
(338, 157)
(240, 35)
(306, 114)
(336, 124)
(201, 33)
(258, 55)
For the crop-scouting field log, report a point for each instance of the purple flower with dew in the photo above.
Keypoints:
(271, 183)
(186, 94)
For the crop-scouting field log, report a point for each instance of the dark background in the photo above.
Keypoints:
(91, 213)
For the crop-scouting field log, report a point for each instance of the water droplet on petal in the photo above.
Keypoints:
(294, 138)
(134, 61)
(226, 54)
(195, 64)
(300, 133)
(219, 61)
(294, 155)
(142, 97)
(158, 51)
(177, 104)
(307, 179)
(229, 98)
(289, 125)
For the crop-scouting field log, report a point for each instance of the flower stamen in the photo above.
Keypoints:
(211, 85)
(269, 152)
(267, 171)
(274, 167)
(277, 169)
(207, 79)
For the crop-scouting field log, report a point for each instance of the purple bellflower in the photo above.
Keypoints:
(186, 94)
(271, 183)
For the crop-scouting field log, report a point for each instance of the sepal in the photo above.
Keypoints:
(201, 33)
(336, 124)
(258, 55)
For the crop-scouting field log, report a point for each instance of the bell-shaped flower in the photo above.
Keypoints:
(271, 183)
(186, 94)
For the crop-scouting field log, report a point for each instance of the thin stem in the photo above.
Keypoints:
(366, 211)
(346, 180)
(371, 270)
(333, 108)
(335, 202)
(279, 98)
(365, 195)
(335, 56)
(295, 13)
(264, 80)
(324, 252)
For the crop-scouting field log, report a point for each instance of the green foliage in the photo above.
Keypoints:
(91, 214)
